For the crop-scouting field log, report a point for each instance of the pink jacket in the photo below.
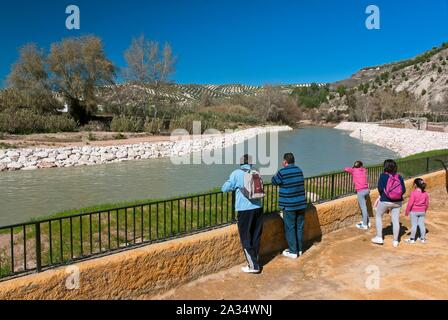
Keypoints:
(359, 178)
(418, 202)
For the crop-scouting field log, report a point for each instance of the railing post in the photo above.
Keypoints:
(38, 249)
(332, 187)
(427, 164)
(233, 206)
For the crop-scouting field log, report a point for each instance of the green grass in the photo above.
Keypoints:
(434, 153)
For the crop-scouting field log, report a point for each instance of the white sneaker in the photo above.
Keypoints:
(361, 226)
(300, 253)
(368, 224)
(378, 240)
(410, 241)
(395, 244)
(287, 254)
(423, 241)
(249, 270)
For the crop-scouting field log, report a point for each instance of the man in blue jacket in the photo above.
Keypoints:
(293, 203)
(250, 216)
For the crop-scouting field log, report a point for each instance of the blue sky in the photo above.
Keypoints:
(249, 41)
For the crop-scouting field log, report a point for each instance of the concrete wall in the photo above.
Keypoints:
(150, 270)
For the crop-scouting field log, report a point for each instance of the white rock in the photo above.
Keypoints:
(46, 165)
(12, 153)
(5, 160)
(62, 156)
(122, 154)
(75, 157)
(405, 142)
(49, 160)
(30, 168)
(15, 166)
(41, 155)
(107, 157)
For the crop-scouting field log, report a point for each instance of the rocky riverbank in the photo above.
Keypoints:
(42, 158)
(405, 142)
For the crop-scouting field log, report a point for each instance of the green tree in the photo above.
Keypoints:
(342, 90)
(30, 82)
(78, 66)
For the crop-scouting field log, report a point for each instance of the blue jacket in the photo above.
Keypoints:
(236, 183)
(382, 183)
(292, 188)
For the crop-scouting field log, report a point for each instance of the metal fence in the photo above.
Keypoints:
(39, 245)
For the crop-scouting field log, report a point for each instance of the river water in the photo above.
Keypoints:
(28, 194)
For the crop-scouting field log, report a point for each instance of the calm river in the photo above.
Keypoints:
(24, 195)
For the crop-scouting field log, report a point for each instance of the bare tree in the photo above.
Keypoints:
(439, 108)
(365, 108)
(78, 66)
(269, 102)
(151, 68)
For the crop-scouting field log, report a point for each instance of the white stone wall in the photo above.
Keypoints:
(405, 142)
(32, 159)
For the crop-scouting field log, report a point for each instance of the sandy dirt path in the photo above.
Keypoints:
(336, 268)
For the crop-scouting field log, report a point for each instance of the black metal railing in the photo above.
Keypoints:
(39, 245)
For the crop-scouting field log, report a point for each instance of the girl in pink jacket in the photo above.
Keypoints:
(359, 174)
(417, 206)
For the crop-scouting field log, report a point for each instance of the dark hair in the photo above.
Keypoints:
(246, 159)
(358, 164)
(390, 166)
(289, 158)
(420, 184)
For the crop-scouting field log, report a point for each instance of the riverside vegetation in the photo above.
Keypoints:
(42, 84)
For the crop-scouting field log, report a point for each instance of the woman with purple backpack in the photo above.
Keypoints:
(391, 188)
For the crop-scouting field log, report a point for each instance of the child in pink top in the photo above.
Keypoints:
(417, 206)
(359, 174)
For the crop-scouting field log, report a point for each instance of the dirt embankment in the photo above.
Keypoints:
(78, 139)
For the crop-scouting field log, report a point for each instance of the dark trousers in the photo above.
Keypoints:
(250, 227)
(294, 224)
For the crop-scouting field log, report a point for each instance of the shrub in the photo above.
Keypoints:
(126, 124)
(26, 121)
(95, 126)
(91, 137)
(342, 90)
(153, 126)
(119, 136)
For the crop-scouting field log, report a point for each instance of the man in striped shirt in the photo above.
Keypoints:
(293, 203)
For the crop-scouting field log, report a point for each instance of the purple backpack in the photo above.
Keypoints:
(394, 189)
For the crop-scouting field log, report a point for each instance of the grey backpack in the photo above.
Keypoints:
(253, 188)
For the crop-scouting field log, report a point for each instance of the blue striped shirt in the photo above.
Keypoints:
(292, 188)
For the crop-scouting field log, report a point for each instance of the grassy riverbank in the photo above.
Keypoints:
(83, 232)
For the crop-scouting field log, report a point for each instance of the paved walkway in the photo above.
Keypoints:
(336, 268)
